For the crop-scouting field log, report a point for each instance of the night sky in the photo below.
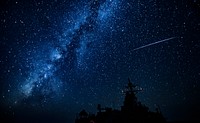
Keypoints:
(61, 56)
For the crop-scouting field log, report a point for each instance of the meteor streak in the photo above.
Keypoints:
(157, 42)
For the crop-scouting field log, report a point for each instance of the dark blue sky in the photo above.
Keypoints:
(62, 56)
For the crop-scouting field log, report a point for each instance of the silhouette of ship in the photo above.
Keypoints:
(131, 112)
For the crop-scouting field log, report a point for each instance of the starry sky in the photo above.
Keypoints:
(61, 56)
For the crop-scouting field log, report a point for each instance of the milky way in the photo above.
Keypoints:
(46, 78)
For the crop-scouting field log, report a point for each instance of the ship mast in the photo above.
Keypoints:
(131, 88)
(130, 101)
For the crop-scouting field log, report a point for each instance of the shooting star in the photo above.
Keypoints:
(157, 42)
